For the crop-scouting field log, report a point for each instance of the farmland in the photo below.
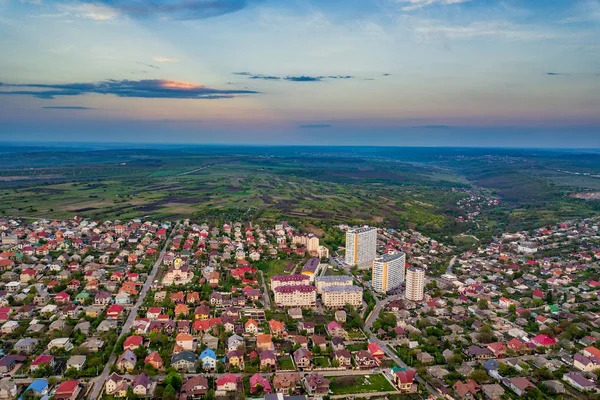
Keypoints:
(314, 187)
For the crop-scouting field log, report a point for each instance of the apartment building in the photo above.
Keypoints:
(339, 296)
(322, 282)
(388, 272)
(295, 296)
(415, 284)
(361, 246)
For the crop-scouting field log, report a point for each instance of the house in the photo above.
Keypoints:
(277, 328)
(7, 363)
(259, 384)
(423, 357)
(316, 385)
(142, 385)
(208, 360)
(227, 383)
(520, 385)
(26, 345)
(234, 342)
(365, 360)
(579, 382)
(76, 362)
(302, 358)
(126, 361)
(155, 360)
(497, 348)
(343, 357)
(112, 383)
(9, 327)
(543, 340)
(466, 390)
(37, 388)
(194, 388)
(264, 342)
(114, 311)
(235, 358)
(403, 379)
(285, 382)
(8, 388)
(586, 364)
(186, 341)
(183, 361)
(309, 327)
(492, 391)
(41, 361)
(516, 345)
(377, 352)
(60, 343)
(102, 298)
(478, 353)
(67, 390)
(251, 327)
(268, 360)
(133, 342)
(335, 329)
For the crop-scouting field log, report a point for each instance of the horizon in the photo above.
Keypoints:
(509, 73)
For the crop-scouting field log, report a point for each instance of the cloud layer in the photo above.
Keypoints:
(175, 9)
(147, 88)
(292, 78)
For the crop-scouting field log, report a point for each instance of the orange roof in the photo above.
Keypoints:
(184, 337)
(593, 351)
(263, 339)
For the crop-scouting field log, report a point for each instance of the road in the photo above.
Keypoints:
(195, 170)
(266, 296)
(96, 391)
(450, 265)
(345, 372)
(379, 304)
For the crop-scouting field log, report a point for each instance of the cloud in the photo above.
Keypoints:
(292, 78)
(147, 88)
(164, 59)
(416, 4)
(97, 12)
(174, 9)
(67, 108)
(148, 65)
(314, 126)
(555, 73)
(431, 127)
(483, 29)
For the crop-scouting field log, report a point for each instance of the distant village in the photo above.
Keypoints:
(184, 310)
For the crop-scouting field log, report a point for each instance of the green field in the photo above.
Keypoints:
(360, 384)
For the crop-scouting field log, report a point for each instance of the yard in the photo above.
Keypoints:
(285, 363)
(356, 346)
(321, 362)
(360, 384)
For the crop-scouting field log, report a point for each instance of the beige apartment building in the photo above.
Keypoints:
(339, 296)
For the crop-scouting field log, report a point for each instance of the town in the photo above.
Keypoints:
(187, 310)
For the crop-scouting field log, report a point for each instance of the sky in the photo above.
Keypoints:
(509, 73)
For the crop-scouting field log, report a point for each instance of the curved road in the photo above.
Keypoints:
(96, 391)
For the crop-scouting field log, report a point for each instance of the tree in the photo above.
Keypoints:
(174, 380)
(482, 304)
(512, 309)
(170, 393)
(478, 375)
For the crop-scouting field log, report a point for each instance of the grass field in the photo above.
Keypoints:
(360, 384)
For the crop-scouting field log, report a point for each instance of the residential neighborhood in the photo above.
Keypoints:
(141, 309)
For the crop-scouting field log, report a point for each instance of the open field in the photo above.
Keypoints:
(313, 187)
(360, 384)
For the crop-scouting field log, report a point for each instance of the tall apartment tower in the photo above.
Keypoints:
(415, 284)
(388, 272)
(361, 246)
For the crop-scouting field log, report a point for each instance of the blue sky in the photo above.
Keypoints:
(395, 72)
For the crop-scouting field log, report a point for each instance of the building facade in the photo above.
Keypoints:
(295, 296)
(289, 280)
(388, 272)
(415, 284)
(339, 296)
(361, 246)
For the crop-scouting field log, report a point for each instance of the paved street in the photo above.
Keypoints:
(96, 391)
(266, 294)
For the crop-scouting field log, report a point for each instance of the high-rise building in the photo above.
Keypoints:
(415, 284)
(361, 246)
(388, 272)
